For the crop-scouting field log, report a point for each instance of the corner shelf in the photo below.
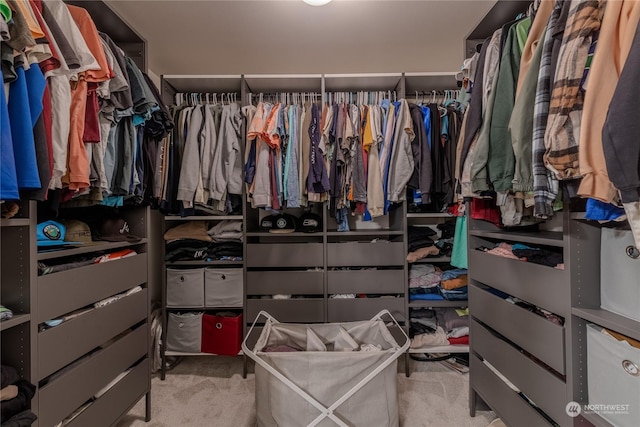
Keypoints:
(548, 238)
(429, 215)
(430, 260)
(609, 320)
(267, 234)
(16, 320)
(182, 354)
(14, 222)
(203, 218)
(365, 233)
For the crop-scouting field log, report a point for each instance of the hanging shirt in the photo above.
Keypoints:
(318, 181)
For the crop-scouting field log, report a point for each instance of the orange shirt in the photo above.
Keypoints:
(90, 34)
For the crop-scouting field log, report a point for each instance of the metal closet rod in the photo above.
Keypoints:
(206, 97)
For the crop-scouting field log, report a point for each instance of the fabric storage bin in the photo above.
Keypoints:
(613, 372)
(221, 334)
(185, 287)
(619, 272)
(223, 287)
(184, 332)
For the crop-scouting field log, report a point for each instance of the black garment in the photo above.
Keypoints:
(474, 111)
(22, 419)
(539, 256)
(9, 408)
(9, 375)
(439, 188)
(422, 176)
(450, 151)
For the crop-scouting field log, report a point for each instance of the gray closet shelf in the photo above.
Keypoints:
(14, 222)
(609, 320)
(203, 218)
(595, 419)
(366, 233)
(429, 215)
(202, 263)
(97, 247)
(437, 303)
(548, 238)
(267, 234)
(16, 320)
(183, 354)
(439, 259)
(201, 308)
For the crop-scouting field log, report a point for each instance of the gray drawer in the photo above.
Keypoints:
(301, 310)
(115, 402)
(541, 386)
(285, 282)
(545, 287)
(65, 343)
(535, 334)
(354, 309)
(366, 281)
(510, 407)
(72, 289)
(364, 254)
(285, 255)
(60, 397)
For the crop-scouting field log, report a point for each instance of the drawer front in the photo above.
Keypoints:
(62, 395)
(366, 281)
(612, 375)
(65, 343)
(510, 407)
(303, 310)
(185, 287)
(223, 287)
(285, 282)
(113, 404)
(541, 386)
(545, 287)
(285, 255)
(72, 289)
(354, 309)
(355, 254)
(540, 337)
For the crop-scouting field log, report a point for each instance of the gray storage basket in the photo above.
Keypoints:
(330, 382)
(619, 271)
(184, 332)
(223, 287)
(185, 287)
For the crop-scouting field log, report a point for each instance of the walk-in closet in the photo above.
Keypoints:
(320, 212)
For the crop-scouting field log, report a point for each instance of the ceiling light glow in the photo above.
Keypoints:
(316, 2)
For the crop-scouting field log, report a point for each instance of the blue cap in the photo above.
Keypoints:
(51, 233)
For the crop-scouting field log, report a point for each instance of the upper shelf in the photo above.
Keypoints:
(276, 83)
(229, 83)
(362, 82)
(607, 319)
(429, 81)
(109, 21)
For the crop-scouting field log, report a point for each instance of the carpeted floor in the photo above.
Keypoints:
(210, 391)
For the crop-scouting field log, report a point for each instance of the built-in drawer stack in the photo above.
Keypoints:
(81, 356)
(517, 360)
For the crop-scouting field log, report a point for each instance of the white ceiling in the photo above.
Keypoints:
(289, 37)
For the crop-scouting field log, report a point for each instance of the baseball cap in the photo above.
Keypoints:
(115, 230)
(267, 222)
(310, 223)
(52, 233)
(283, 223)
(77, 231)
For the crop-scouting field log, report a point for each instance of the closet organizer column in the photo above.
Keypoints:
(203, 254)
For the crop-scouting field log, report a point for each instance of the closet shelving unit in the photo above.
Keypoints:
(18, 293)
(71, 362)
(307, 265)
(427, 219)
(170, 86)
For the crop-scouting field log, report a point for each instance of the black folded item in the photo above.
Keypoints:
(9, 375)
(186, 250)
(540, 256)
(447, 229)
(423, 243)
(414, 232)
(21, 419)
(11, 407)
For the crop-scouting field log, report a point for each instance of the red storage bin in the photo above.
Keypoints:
(221, 334)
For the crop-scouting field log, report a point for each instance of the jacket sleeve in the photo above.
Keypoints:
(622, 127)
(190, 168)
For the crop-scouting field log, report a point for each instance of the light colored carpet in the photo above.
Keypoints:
(210, 391)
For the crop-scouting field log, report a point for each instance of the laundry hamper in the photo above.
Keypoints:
(343, 374)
